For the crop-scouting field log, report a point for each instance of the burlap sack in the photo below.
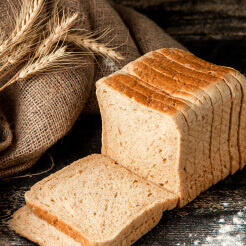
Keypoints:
(36, 113)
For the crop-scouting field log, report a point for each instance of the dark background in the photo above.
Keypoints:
(214, 30)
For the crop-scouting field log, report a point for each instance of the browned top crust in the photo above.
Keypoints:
(160, 76)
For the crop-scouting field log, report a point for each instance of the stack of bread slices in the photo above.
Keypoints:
(173, 123)
(93, 201)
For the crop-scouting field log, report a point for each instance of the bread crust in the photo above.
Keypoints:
(19, 227)
(102, 167)
(16, 225)
(58, 223)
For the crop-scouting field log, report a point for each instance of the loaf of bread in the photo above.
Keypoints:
(96, 202)
(175, 120)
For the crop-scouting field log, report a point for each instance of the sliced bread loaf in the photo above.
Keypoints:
(159, 141)
(97, 202)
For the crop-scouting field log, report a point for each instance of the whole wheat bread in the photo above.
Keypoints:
(147, 110)
(28, 225)
(97, 202)
(230, 159)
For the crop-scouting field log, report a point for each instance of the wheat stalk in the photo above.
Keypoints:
(24, 24)
(94, 46)
(45, 55)
(37, 66)
(17, 54)
(57, 31)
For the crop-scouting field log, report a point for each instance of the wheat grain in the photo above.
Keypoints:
(28, 16)
(92, 45)
(45, 55)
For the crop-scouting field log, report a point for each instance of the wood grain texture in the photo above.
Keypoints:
(213, 30)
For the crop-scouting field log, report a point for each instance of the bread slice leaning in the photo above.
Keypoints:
(28, 225)
(97, 202)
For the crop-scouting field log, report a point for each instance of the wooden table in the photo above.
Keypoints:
(216, 217)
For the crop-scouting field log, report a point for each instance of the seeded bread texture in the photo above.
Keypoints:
(97, 202)
(175, 120)
(28, 225)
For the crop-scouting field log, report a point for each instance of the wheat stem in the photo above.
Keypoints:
(11, 69)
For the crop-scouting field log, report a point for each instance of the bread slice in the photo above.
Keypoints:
(208, 84)
(28, 225)
(236, 95)
(150, 78)
(168, 75)
(97, 202)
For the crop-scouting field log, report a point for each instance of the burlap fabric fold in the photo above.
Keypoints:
(36, 113)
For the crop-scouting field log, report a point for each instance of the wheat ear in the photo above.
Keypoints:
(37, 66)
(28, 16)
(57, 30)
(16, 55)
(92, 45)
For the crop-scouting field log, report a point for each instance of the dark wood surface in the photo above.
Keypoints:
(215, 32)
